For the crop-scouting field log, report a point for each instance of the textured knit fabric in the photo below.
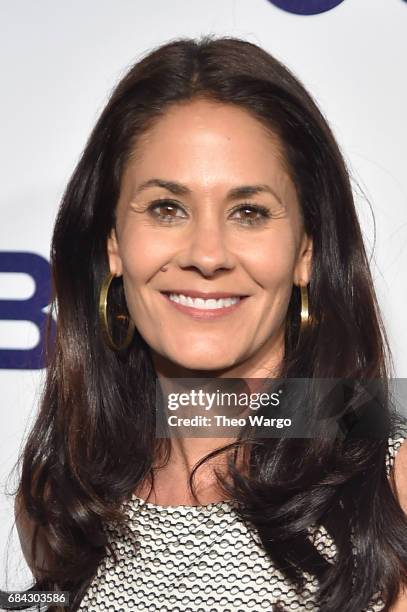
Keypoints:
(199, 559)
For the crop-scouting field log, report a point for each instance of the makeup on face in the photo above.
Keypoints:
(209, 237)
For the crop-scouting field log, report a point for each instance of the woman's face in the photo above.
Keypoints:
(207, 206)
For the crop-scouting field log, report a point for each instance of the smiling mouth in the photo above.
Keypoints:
(204, 304)
(200, 307)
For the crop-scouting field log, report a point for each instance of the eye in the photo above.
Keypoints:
(259, 214)
(166, 211)
(169, 206)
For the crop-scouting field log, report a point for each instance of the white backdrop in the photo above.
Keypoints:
(60, 60)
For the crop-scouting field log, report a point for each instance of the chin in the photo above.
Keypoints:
(209, 364)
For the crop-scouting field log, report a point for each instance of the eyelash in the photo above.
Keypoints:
(263, 210)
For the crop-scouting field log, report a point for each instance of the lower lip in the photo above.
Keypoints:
(200, 313)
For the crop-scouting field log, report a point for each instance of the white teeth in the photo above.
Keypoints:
(210, 304)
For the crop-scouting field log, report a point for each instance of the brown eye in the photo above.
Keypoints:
(257, 214)
(252, 213)
(168, 208)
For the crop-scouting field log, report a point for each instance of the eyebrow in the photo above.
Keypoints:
(233, 194)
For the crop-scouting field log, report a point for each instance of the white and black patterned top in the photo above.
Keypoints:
(199, 559)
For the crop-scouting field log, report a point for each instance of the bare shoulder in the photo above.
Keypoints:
(26, 530)
(400, 475)
(399, 483)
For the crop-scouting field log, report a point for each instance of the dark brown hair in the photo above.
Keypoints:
(92, 444)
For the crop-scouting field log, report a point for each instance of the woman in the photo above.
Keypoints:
(211, 175)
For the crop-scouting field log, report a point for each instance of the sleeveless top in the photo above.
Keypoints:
(200, 559)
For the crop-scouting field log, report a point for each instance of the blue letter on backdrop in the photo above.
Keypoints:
(306, 7)
(26, 310)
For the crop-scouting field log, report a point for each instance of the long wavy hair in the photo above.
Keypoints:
(92, 444)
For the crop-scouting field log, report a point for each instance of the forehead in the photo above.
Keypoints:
(204, 142)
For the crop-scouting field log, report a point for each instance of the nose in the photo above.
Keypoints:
(206, 248)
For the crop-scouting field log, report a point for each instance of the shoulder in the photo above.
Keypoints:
(398, 470)
(26, 529)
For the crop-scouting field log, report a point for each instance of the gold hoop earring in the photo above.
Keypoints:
(104, 320)
(305, 318)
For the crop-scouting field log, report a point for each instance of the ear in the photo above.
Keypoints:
(115, 262)
(302, 270)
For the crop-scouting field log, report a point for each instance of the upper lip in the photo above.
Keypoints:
(217, 295)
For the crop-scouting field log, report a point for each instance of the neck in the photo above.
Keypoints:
(186, 451)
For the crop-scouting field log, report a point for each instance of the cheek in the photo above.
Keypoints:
(143, 253)
(272, 260)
